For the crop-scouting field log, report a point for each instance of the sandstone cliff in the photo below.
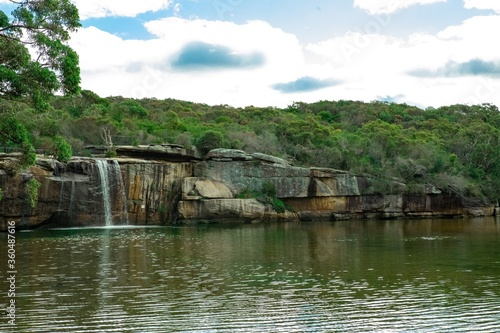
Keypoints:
(95, 191)
(311, 193)
(165, 184)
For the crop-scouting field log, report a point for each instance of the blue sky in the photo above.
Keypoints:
(309, 20)
(273, 53)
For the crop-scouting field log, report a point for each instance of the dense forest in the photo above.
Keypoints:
(456, 148)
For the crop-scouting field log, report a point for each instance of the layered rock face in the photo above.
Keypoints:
(160, 185)
(83, 192)
(153, 189)
(311, 193)
(92, 192)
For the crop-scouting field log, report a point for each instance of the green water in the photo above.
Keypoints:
(352, 276)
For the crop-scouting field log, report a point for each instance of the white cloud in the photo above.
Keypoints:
(483, 4)
(373, 65)
(128, 8)
(133, 68)
(177, 8)
(374, 7)
(364, 66)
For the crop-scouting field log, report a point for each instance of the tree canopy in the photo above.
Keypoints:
(456, 148)
(35, 62)
(35, 59)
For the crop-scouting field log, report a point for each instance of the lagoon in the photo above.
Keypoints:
(440, 275)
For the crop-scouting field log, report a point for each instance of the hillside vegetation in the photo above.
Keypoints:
(456, 148)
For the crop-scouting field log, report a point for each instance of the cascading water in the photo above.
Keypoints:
(102, 168)
(120, 190)
(71, 208)
(66, 207)
(112, 189)
(61, 192)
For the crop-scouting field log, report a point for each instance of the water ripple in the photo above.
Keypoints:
(257, 279)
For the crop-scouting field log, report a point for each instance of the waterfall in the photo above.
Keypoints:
(113, 190)
(102, 167)
(120, 191)
(71, 209)
(66, 206)
(61, 191)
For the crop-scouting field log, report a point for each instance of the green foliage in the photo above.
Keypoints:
(13, 134)
(279, 206)
(209, 140)
(268, 190)
(456, 148)
(223, 119)
(327, 116)
(248, 194)
(1, 194)
(185, 140)
(267, 195)
(44, 26)
(32, 187)
(28, 156)
(128, 108)
(111, 153)
(62, 150)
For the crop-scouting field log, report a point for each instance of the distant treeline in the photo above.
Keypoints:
(456, 148)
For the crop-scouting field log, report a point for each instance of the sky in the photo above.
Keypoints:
(427, 53)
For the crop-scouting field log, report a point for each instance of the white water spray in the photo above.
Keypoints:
(102, 167)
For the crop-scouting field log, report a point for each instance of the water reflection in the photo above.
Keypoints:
(351, 276)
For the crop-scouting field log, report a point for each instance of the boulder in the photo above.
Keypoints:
(481, 211)
(230, 210)
(50, 164)
(194, 188)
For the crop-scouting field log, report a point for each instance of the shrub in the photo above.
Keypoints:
(269, 196)
(278, 205)
(62, 150)
(32, 187)
(111, 153)
(209, 140)
(248, 194)
(268, 190)
(184, 139)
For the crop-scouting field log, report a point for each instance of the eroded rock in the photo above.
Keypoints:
(270, 159)
(195, 188)
(151, 190)
(223, 154)
(231, 210)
